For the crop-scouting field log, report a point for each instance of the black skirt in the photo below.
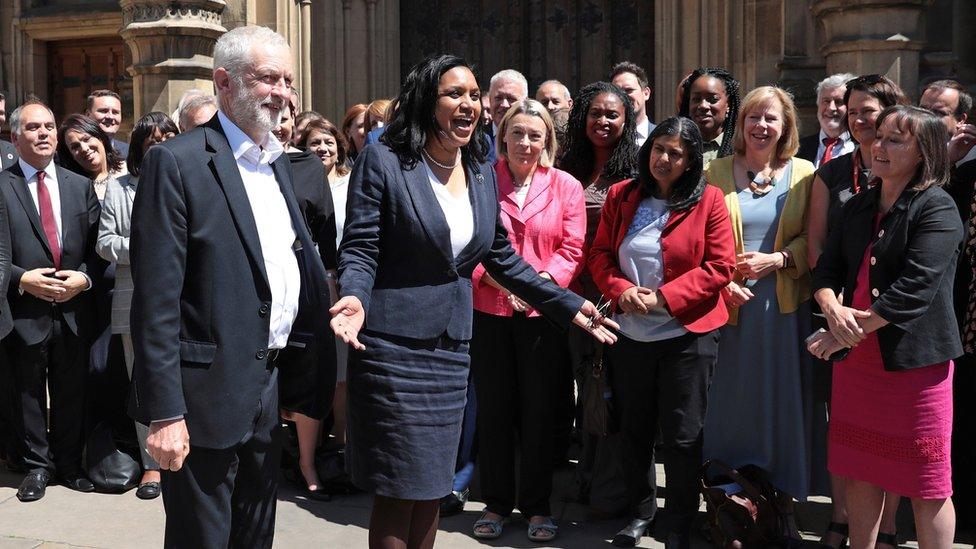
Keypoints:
(406, 404)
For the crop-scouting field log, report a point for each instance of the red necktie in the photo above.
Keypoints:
(47, 219)
(830, 143)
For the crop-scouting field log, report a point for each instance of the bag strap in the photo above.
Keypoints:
(597, 370)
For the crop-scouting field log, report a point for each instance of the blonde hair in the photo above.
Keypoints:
(377, 111)
(789, 142)
(530, 107)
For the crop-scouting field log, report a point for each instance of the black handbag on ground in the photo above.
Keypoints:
(111, 470)
(596, 392)
(743, 508)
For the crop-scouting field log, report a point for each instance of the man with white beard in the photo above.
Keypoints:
(225, 275)
(833, 140)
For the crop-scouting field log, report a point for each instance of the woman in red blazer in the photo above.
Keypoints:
(662, 254)
(515, 354)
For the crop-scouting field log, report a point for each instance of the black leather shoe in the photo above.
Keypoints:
(453, 503)
(631, 534)
(33, 487)
(148, 490)
(78, 482)
(318, 494)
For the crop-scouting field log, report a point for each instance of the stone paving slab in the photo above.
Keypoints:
(66, 519)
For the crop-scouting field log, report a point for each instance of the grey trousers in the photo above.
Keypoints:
(142, 431)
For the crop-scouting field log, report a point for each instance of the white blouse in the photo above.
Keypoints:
(457, 211)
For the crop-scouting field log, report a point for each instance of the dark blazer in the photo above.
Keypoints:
(698, 249)
(315, 203)
(8, 154)
(914, 257)
(121, 147)
(201, 299)
(396, 252)
(809, 146)
(30, 250)
(6, 322)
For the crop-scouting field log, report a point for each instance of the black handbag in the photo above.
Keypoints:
(110, 469)
(596, 393)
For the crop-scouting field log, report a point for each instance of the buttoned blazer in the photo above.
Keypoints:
(8, 154)
(200, 315)
(30, 250)
(913, 262)
(6, 322)
(698, 251)
(547, 231)
(396, 253)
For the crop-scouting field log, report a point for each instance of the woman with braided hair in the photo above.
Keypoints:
(710, 97)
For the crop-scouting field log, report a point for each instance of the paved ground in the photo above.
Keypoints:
(70, 519)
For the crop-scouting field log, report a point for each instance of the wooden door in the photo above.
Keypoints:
(76, 67)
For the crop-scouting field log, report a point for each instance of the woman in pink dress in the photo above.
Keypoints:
(894, 257)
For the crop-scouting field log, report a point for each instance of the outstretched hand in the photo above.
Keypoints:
(348, 317)
(592, 320)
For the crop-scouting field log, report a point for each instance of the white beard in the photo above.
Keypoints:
(251, 114)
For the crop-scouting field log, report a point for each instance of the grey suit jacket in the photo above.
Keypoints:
(115, 227)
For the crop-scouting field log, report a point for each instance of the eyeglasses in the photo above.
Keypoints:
(602, 307)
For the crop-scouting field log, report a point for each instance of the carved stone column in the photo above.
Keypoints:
(172, 49)
(306, 53)
(874, 36)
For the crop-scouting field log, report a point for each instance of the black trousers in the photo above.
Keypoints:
(227, 498)
(662, 386)
(515, 361)
(59, 364)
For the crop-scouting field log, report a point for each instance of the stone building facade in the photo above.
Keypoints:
(349, 51)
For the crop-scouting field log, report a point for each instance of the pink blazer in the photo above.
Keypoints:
(547, 232)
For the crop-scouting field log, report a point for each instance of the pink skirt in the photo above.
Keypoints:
(892, 429)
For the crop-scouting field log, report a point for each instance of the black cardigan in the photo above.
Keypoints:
(914, 258)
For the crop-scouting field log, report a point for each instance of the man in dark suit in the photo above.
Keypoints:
(53, 222)
(105, 106)
(833, 139)
(8, 156)
(225, 275)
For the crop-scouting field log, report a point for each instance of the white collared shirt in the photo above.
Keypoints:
(644, 130)
(844, 146)
(275, 231)
(51, 182)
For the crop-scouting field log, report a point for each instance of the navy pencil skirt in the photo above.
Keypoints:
(406, 403)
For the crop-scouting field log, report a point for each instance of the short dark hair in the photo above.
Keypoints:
(85, 124)
(578, 158)
(100, 93)
(688, 189)
(732, 93)
(144, 128)
(406, 133)
(879, 87)
(633, 68)
(965, 99)
(931, 135)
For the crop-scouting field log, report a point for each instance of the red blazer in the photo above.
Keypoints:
(547, 232)
(699, 255)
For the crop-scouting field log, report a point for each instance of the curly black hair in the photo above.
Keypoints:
(578, 158)
(413, 118)
(688, 189)
(731, 91)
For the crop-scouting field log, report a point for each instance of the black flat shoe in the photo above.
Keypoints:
(678, 540)
(34, 486)
(453, 503)
(148, 490)
(318, 494)
(887, 539)
(631, 534)
(78, 482)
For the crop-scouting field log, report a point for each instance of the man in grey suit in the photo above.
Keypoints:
(8, 155)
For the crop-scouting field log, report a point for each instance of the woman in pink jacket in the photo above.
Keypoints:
(515, 353)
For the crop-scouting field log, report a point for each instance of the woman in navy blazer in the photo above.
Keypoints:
(422, 214)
